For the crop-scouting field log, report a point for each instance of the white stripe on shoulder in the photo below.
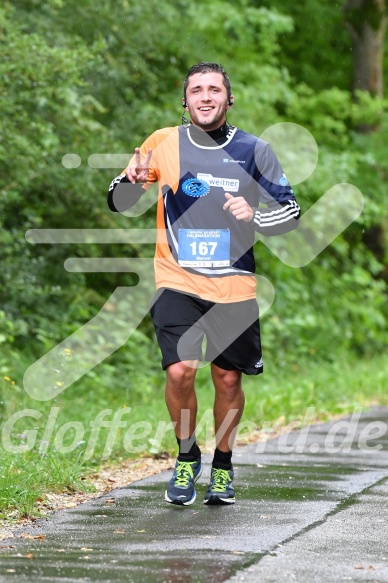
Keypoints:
(115, 181)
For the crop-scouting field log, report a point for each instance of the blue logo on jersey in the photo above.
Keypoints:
(283, 181)
(195, 187)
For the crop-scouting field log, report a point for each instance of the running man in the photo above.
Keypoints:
(213, 182)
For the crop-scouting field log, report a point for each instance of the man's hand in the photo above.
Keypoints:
(238, 206)
(138, 172)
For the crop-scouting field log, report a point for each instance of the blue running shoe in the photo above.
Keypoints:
(220, 490)
(180, 489)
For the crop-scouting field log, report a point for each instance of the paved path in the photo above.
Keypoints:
(312, 507)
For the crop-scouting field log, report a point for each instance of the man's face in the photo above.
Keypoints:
(207, 100)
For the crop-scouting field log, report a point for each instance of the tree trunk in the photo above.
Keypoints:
(367, 21)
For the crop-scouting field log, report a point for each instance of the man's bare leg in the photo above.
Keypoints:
(181, 396)
(228, 406)
(181, 402)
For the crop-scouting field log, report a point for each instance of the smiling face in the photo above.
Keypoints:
(207, 100)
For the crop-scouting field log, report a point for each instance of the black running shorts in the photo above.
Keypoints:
(232, 331)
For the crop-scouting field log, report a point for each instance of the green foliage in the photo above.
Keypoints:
(371, 13)
(318, 52)
(331, 113)
(46, 114)
(87, 77)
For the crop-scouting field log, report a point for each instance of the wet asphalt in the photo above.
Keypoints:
(311, 506)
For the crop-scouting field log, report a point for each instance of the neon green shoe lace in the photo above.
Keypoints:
(184, 471)
(220, 479)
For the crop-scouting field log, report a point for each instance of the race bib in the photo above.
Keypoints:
(204, 247)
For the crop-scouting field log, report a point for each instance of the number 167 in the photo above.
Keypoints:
(204, 247)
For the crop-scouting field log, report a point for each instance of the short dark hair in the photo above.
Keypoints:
(205, 67)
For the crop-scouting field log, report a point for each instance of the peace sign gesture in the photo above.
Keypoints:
(138, 172)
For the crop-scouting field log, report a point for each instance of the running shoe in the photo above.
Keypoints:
(180, 489)
(220, 490)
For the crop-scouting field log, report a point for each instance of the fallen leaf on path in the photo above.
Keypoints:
(119, 531)
(162, 455)
(85, 549)
(32, 536)
(110, 500)
(29, 555)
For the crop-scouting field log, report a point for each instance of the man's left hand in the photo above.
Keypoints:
(238, 206)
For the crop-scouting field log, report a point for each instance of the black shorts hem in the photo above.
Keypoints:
(167, 362)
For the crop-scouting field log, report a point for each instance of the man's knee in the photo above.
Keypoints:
(227, 382)
(181, 373)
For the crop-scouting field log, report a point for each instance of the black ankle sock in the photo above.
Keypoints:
(222, 460)
(188, 450)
